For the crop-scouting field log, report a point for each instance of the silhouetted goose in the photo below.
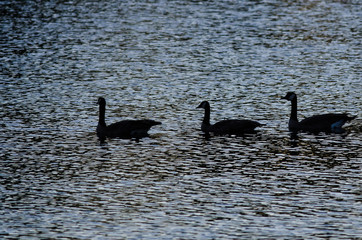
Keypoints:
(126, 129)
(226, 127)
(329, 123)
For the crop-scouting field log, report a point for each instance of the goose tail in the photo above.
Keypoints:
(350, 118)
(154, 123)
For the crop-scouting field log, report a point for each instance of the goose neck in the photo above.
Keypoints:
(102, 112)
(206, 120)
(293, 115)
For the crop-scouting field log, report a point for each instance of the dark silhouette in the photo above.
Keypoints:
(329, 123)
(126, 129)
(226, 127)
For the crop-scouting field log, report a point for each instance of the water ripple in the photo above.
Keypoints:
(159, 60)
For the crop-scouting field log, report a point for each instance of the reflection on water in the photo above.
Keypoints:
(158, 60)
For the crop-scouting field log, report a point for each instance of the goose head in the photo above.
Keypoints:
(290, 96)
(101, 101)
(204, 105)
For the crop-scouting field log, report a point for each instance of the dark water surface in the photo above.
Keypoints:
(159, 60)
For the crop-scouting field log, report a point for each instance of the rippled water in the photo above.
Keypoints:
(159, 60)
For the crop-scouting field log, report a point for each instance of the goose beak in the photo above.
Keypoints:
(285, 97)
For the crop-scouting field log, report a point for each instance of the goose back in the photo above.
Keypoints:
(129, 129)
(329, 123)
(234, 127)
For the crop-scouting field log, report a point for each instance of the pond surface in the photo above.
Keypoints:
(159, 60)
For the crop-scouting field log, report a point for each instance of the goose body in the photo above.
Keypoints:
(329, 123)
(226, 127)
(126, 129)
